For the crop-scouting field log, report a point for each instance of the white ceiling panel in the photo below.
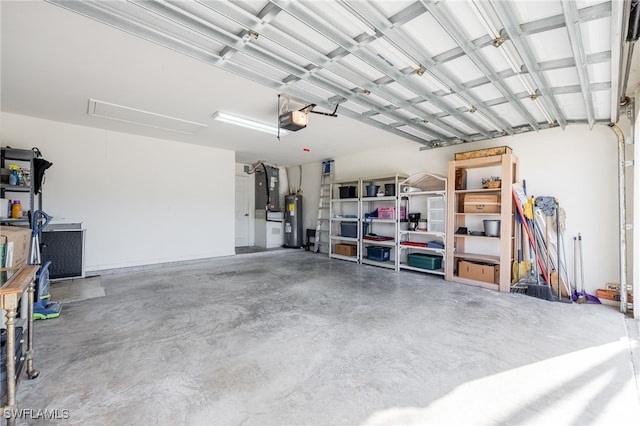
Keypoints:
(452, 121)
(508, 113)
(562, 77)
(533, 10)
(428, 107)
(463, 69)
(311, 88)
(596, 35)
(599, 73)
(486, 91)
(573, 105)
(304, 33)
(336, 16)
(391, 7)
(463, 12)
(400, 91)
(550, 45)
(390, 56)
(280, 52)
(600, 99)
(360, 66)
(430, 33)
(383, 119)
(415, 132)
(494, 57)
(353, 106)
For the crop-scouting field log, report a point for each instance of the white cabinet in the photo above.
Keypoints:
(423, 250)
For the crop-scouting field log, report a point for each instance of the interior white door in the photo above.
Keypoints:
(242, 211)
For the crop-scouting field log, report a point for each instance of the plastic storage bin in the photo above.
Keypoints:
(378, 253)
(424, 261)
(347, 192)
(351, 229)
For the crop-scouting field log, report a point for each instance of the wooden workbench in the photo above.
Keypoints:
(14, 283)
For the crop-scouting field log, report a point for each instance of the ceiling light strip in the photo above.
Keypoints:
(228, 118)
(543, 110)
(484, 19)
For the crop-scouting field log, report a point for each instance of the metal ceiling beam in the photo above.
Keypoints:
(445, 21)
(117, 20)
(317, 60)
(556, 64)
(575, 38)
(192, 22)
(298, 12)
(586, 14)
(505, 15)
(389, 29)
(598, 11)
(619, 23)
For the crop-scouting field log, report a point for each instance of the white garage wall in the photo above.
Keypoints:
(142, 200)
(576, 165)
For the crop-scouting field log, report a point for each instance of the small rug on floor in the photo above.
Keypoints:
(76, 289)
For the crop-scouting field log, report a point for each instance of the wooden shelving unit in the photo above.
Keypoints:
(480, 249)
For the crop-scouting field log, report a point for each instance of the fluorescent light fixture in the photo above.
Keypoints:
(225, 117)
(484, 19)
(543, 110)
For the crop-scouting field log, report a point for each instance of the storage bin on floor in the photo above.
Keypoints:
(424, 261)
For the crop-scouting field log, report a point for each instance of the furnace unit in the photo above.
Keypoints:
(267, 188)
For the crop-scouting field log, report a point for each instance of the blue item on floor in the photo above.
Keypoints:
(43, 308)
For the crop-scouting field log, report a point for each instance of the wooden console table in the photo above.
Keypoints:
(14, 282)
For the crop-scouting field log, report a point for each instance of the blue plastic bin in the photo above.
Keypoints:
(378, 253)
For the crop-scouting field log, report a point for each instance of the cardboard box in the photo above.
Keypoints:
(479, 271)
(485, 203)
(487, 152)
(17, 242)
(346, 249)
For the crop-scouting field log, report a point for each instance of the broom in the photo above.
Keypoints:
(537, 289)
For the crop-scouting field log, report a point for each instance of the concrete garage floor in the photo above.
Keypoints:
(293, 338)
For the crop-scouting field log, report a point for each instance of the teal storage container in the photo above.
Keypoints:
(424, 261)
